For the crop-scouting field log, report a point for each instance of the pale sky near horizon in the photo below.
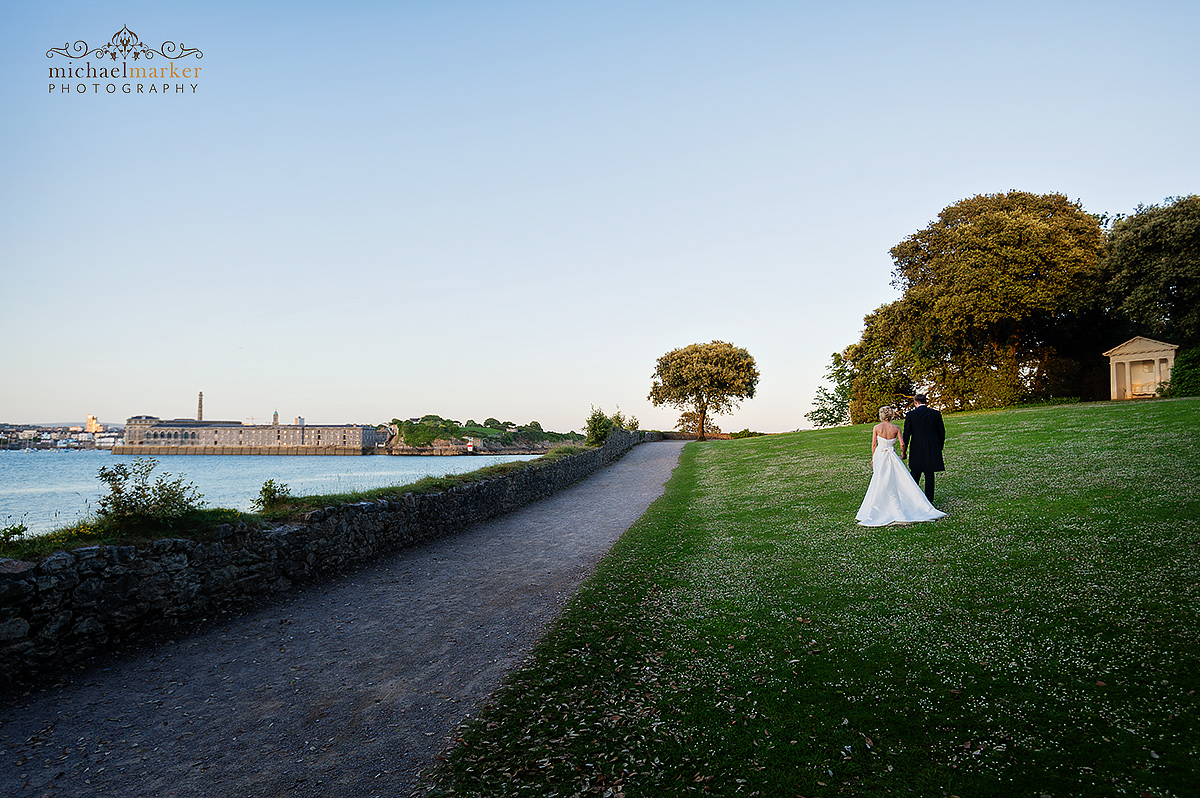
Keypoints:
(511, 209)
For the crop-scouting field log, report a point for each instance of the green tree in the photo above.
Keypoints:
(831, 406)
(709, 379)
(987, 289)
(1152, 262)
(492, 423)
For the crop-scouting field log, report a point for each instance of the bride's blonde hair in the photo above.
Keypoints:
(887, 413)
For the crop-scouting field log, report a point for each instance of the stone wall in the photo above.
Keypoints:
(74, 605)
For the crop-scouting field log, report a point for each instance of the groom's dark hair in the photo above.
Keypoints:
(920, 399)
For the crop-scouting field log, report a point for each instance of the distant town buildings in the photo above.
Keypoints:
(92, 435)
(150, 435)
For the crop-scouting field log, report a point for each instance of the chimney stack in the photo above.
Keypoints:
(200, 408)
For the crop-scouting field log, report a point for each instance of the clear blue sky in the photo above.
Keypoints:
(511, 209)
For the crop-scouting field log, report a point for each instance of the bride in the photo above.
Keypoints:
(893, 497)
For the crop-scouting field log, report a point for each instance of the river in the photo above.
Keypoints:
(45, 490)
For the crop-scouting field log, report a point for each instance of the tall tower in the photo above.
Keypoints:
(275, 419)
(200, 408)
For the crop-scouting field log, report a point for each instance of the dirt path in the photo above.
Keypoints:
(344, 688)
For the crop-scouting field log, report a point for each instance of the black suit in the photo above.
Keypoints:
(924, 435)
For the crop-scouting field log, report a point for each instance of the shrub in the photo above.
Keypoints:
(272, 495)
(621, 421)
(1185, 374)
(746, 433)
(133, 501)
(597, 427)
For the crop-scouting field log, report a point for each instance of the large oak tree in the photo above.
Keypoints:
(989, 287)
(707, 379)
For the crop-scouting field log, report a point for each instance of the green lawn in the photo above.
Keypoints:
(745, 637)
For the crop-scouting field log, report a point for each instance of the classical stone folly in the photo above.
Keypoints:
(1138, 366)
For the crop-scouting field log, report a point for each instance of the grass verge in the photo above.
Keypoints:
(745, 637)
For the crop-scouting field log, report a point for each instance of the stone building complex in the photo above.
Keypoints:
(149, 435)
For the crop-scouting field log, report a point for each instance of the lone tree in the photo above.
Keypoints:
(706, 379)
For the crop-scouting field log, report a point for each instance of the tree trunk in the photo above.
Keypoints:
(702, 409)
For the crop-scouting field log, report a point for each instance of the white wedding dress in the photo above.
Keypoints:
(893, 497)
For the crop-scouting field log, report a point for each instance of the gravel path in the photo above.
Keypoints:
(343, 688)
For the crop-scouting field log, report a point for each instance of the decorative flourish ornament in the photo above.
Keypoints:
(125, 43)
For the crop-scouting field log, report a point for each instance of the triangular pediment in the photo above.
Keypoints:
(1140, 346)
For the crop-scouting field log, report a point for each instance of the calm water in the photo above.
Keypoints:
(48, 489)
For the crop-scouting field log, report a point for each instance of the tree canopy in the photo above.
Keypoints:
(1152, 262)
(709, 379)
(991, 290)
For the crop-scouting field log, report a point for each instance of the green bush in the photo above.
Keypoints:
(746, 433)
(133, 501)
(272, 495)
(597, 427)
(1185, 374)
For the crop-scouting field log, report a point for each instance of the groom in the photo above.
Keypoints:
(925, 434)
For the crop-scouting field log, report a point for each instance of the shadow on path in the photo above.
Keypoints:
(343, 688)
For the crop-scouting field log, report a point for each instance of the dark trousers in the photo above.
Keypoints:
(916, 475)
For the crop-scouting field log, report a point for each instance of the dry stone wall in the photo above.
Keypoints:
(74, 605)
